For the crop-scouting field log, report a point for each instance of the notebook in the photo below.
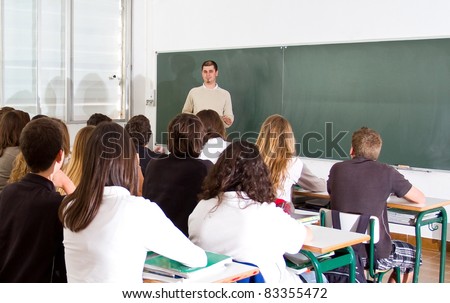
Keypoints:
(161, 265)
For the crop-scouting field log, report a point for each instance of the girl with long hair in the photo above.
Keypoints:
(107, 228)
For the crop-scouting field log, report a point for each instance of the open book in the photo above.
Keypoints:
(164, 266)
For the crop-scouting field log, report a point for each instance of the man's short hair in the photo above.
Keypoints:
(97, 118)
(40, 142)
(210, 63)
(366, 143)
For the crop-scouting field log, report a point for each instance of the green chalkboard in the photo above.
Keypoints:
(252, 76)
(399, 88)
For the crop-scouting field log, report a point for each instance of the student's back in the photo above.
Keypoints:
(30, 232)
(174, 184)
(108, 229)
(174, 181)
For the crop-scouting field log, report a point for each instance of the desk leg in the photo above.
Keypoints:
(443, 245)
(344, 257)
(442, 218)
(418, 249)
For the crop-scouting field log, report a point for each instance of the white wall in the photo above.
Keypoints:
(180, 25)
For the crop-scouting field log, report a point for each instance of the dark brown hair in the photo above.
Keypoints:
(240, 168)
(97, 118)
(108, 160)
(186, 134)
(40, 142)
(138, 127)
(210, 63)
(213, 124)
(11, 125)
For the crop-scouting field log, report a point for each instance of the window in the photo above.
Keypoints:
(65, 58)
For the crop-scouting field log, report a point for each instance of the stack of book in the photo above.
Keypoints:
(160, 268)
(406, 217)
(306, 217)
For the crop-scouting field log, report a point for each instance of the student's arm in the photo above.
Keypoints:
(61, 180)
(311, 182)
(414, 195)
(309, 234)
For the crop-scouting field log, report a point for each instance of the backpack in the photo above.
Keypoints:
(341, 274)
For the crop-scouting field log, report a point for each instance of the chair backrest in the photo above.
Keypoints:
(350, 222)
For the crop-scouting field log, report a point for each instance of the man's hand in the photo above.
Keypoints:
(227, 120)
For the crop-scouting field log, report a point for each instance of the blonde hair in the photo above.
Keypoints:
(19, 170)
(73, 170)
(276, 144)
(366, 143)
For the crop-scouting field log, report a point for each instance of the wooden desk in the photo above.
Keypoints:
(327, 239)
(431, 205)
(232, 272)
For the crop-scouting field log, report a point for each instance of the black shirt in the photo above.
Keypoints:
(31, 235)
(174, 184)
(145, 155)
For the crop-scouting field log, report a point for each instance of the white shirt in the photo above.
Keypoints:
(259, 233)
(298, 173)
(213, 148)
(113, 247)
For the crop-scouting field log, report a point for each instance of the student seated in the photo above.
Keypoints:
(174, 181)
(31, 248)
(138, 127)
(107, 228)
(276, 143)
(362, 185)
(237, 216)
(214, 141)
(11, 125)
(97, 118)
(73, 169)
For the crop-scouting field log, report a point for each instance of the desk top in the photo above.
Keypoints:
(232, 272)
(327, 239)
(430, 203)
(392, 202)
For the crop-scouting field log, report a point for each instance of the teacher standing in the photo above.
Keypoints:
(210, 95)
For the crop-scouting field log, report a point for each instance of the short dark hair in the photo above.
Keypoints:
(139, 129)
(210, 63)
(97, 118)
(40, 142)
(240, 168)
(186, 134)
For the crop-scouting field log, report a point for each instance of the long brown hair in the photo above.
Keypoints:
(276, 143)
(108, 160)
(239, 168)
(11, 125)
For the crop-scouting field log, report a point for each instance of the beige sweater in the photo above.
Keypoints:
(200, 98)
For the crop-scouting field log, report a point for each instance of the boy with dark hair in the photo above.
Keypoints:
(97, 118)
(362, 185)
(31, 248)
